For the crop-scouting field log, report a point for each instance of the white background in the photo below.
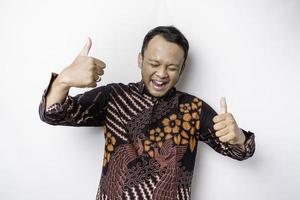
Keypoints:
(247, 51)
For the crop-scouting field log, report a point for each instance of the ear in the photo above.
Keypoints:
(140, 60)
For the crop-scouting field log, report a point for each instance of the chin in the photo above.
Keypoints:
(157, 94)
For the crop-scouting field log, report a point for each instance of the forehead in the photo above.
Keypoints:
(161, 49)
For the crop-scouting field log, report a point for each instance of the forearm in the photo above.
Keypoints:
(240, 148)
(57, 93)
(241, 141)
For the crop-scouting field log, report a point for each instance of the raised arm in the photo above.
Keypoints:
(222, 133)
(58, 108)
(84, 72)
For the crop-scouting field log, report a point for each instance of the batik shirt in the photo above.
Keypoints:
(150, 143)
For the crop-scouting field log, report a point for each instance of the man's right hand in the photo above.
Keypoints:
(85, 71)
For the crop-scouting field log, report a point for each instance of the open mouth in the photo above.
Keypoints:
(159, 85)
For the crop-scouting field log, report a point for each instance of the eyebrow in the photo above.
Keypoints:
(151, 60)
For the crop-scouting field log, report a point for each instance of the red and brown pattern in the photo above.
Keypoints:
(150, 143)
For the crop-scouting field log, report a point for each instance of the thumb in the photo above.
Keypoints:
(223, 105)
(86, 48)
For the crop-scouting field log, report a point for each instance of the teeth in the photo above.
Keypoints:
(159, 82)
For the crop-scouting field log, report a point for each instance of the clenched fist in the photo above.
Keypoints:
(85, 71)
(226, 127)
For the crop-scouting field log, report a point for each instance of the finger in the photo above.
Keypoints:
(223, 105)
(223, 117)
(232, 141)
(226, 138)
(86, 49)
(98, 70)
(99, 63)
(97, 78)
(220, 126)
(222, 132)
(219, 118)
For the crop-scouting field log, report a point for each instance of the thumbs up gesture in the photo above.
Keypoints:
(84, 71)
(226, 127)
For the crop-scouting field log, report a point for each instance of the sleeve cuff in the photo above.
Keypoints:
(249, 146)
(55, 111)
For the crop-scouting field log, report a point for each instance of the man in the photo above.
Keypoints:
(151, 129)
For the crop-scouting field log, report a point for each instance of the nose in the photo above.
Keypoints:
(162, 72)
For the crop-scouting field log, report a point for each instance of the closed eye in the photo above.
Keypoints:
(173, 68)
(154, 65)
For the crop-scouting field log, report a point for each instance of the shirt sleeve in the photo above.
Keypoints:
(86, 109)
(207, 135)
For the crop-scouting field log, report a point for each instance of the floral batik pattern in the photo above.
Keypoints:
(150, 142)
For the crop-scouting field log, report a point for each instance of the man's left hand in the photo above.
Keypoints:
(226, 127)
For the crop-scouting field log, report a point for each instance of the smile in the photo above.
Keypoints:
(159, 85)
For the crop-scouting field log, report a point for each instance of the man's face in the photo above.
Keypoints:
(161, 65)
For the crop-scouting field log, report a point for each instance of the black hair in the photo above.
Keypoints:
(169, 33)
